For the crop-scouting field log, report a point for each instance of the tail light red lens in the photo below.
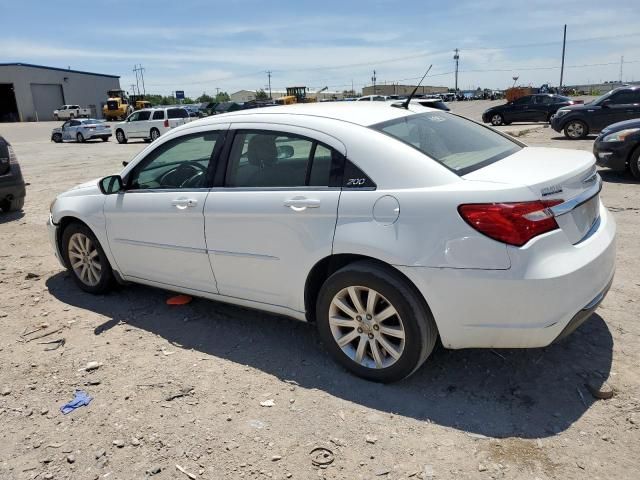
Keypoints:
(511, 223)
(166, 123)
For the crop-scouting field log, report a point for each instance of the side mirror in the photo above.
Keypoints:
(111, 184)
(125, 163)
(606, 103)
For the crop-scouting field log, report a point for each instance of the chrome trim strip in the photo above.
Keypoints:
(241, 254)
(138, 243)
(578, 200)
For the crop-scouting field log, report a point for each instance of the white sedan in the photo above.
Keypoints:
(385, 226)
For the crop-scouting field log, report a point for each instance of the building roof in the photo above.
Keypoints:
(57, 68)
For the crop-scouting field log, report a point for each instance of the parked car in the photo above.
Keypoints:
(427, 102)
(70, 111)
(150, 123)
(12, 186)
(578, 121)
(618, 147)
(386, 227)
(530, 108)
(81, 130)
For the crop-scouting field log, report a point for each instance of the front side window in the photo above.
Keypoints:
(144, 115)
(626, 98)
(75, 123)
(181, 163)
(274, 159)
(134, 117)
(459, 144)
(522, 101)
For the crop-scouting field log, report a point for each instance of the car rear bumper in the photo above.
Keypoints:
(613, 155)
(547, 293)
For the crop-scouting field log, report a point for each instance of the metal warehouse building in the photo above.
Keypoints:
(32, 92)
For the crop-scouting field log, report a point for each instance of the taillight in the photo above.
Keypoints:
(166, 123)
(512, 223)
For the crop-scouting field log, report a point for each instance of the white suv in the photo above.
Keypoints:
(150, 123)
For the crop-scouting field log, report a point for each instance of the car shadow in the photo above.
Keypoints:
(10, 216)
(614, 176)
(507, 393)
(562, 137)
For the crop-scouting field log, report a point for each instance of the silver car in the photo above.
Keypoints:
(81, 130)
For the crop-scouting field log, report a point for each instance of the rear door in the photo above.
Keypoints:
(274, 211)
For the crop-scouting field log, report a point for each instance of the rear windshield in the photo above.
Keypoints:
(177, 113)
(459, 144)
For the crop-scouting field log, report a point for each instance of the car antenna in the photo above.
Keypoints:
(405, 104)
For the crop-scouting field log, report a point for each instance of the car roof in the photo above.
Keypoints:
(360, 113)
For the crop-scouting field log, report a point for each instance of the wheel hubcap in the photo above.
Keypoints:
(366, 327)
(496, 120)
(85, 259)
(575, 130)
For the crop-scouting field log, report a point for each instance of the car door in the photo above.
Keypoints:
(519, 111)
(623, 105)
(141, 125)
(273, 213)
(69, 129)
(539, 108)
(156, 225)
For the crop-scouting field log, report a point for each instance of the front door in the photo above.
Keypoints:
(519, 111)
(156, 226)
(274, 215)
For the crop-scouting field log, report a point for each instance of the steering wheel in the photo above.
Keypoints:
(186, 172)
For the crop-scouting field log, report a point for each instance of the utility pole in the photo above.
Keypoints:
(621, 63)
(138, 70)
(564, 44)
(133, 88)
(456, 57)
(269, 80)
(373, 79)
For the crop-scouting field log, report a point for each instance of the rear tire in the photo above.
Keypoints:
(576, 130)
(85, 259)
(120, 136)
(154, 134)
(13, 205)
(80, 138)
(380, 346)
(634, 163)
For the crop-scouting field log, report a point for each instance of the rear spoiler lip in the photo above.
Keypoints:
(581, 198)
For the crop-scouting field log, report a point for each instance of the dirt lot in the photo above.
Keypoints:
(475, 414)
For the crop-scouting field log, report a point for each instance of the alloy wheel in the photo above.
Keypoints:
(84, 258)
(366, 327)
(575, 130)
(154, 135)
(120, 136)
(496, 120)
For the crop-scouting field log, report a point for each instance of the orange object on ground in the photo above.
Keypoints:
(179, 300)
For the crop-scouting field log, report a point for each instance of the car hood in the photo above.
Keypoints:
(580, 107)
(57, 130)
(616, 127)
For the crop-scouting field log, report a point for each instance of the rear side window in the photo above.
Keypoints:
(459, 144)
(158, 115)
(626, 98)
(276, 159)
(177, 113)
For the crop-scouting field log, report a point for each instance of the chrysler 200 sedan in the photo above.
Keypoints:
(387, 227)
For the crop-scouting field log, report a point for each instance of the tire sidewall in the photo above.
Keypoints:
(151, 134)
(79, 138)
(403, 300)
(106, 278)
(497, 124)
(634, 163)
(585, 130)
(120, 137)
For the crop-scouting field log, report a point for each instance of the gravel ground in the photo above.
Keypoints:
(177, 391)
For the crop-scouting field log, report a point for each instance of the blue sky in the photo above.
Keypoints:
(198, 45)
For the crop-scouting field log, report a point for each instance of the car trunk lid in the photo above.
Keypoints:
(553, 174)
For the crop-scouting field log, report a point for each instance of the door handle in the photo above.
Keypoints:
(183, 203)
(299, 204)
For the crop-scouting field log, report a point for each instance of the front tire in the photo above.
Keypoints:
(634, 163)
(374, 323)
(497, 120)
(120, 136)
(57, 138)
(576, 130)
(86, 260)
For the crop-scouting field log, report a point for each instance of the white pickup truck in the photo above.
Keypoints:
(150, 123)
(66, 112)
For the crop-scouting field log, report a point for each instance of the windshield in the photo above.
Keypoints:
(600, 99)
(459, 144)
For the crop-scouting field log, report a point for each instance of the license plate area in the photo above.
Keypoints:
(577, 223)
